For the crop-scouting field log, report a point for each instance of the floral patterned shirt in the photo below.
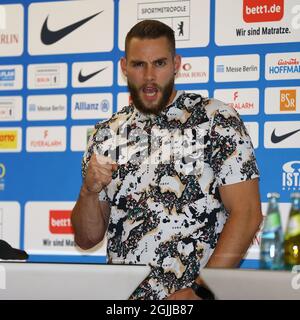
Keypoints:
(163, 213)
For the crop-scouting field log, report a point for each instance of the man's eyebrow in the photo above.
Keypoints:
(161, 59)
(140, 60)
(135, 61)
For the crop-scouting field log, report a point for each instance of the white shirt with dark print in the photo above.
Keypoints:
(168, 213)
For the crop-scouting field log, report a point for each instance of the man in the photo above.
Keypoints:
(161, 207)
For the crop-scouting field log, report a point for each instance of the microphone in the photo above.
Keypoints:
(7, 252)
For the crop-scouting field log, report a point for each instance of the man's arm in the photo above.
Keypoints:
(89, 219)
(90, 216)
(242, 202)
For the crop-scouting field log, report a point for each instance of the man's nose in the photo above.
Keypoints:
(149, 73)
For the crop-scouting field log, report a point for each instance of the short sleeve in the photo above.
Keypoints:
(232, 156)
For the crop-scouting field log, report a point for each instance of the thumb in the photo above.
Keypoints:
(103, 160)
(114, 166)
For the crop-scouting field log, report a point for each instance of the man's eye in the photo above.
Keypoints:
(160, 63)
(138, 64)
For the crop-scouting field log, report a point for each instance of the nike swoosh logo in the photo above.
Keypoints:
(50, 37)
(277, 139)
(82, 78)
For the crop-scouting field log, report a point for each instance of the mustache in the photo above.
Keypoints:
(152, 84)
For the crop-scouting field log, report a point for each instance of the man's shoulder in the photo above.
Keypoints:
(210, 106)
(191, 99)
(214, 106)
(191, 102)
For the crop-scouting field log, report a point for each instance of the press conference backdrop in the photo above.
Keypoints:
(60, 74)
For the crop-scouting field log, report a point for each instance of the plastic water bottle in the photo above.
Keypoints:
(292, 234)
(271, 246)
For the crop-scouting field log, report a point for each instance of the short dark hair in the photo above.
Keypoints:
(151, 29)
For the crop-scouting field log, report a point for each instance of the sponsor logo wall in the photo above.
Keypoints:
(10, 221)
(60, 74)
(48, 229)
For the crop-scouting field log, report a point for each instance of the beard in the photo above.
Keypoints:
(153, 108)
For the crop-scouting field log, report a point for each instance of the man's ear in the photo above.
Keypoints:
(177, 63)
(123, 63)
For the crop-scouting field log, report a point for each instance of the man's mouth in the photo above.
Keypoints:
(150, 91)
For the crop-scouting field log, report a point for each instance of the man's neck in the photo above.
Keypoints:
(172, 97)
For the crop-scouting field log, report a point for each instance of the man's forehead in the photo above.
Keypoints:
(159, 43)
(139, 49)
